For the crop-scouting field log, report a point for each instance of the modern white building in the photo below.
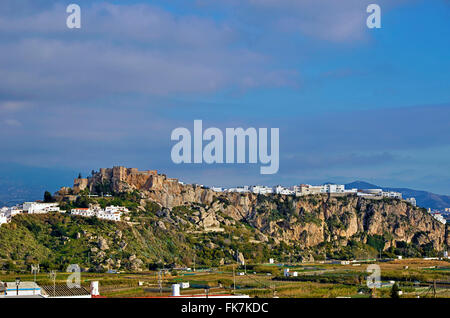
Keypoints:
(333, 188)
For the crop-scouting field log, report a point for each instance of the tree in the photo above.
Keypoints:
(394, 291)
(48, 198)
(80, 176)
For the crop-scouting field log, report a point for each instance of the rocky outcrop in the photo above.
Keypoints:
(307, 221)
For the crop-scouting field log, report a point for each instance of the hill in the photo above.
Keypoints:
(171, 222)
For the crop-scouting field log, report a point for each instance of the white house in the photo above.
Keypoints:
(391, 194)
(38, 207)
(112, 213)
(83, 212)
(412, 201)
(114, 209)
(3, 218)
(115, 216)
(258, 189)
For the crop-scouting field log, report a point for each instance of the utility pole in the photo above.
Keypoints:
(160, 282)
(434, 288)
(34, 270)
(234, 279)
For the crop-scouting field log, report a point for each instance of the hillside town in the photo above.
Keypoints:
(114, 213)
(111, 213)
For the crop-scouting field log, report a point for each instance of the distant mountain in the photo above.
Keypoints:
(361, 185)
(424, 199)
(19, 183)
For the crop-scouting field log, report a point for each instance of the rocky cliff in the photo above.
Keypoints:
(306, 221)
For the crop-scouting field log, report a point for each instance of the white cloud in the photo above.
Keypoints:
(127, 49)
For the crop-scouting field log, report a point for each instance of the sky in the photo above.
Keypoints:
(351, 103)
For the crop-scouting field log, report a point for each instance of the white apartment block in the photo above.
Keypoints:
(380, 193)
(333, 188)
(306, 189)
(393, 195)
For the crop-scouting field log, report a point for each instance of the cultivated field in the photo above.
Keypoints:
(415, 277)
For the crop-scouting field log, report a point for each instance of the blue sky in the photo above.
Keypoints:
(351, 103)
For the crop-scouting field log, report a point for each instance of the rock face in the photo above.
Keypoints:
(103, 244)
(240, 258)
(307, 221)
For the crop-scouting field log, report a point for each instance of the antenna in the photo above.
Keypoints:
(160, 281)
(52, 276)
(34, 270)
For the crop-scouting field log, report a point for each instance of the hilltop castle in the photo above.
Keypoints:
(120, 179)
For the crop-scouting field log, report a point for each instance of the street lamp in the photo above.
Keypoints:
(17, 285)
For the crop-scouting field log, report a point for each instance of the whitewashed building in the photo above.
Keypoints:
(39, 207)
(412, 201)
(3, 218)
(258, 189)
(111, 213)
(439, 217)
